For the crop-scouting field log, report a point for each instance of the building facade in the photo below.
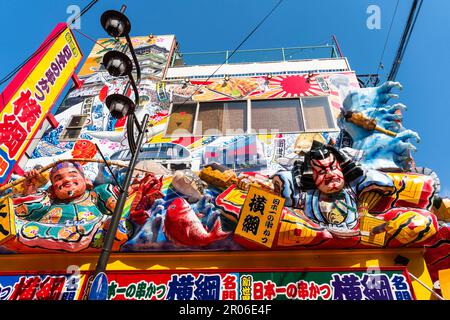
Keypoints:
(265, 158)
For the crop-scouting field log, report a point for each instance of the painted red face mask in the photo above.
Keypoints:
(327, 175)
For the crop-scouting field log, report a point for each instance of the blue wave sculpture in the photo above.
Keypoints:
(380, 150)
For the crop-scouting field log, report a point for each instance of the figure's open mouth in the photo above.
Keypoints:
(331, 180)
(68, 185)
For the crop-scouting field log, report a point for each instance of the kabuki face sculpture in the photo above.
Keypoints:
(327, 173)
(68, 181)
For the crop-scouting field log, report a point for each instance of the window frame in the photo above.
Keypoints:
(165, 135)
(79, 127)
(248, 130)
(329, 111)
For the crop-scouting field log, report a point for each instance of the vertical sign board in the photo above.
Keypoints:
(32, 93)
(7, 225)
(259, 216)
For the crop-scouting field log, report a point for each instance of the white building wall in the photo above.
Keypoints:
(259, 68)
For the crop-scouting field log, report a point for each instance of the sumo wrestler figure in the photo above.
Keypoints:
(332, 190)
(327, 197)
(67, 215)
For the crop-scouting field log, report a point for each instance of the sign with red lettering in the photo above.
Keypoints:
(42, 286)
(288, 284)
(32, 93)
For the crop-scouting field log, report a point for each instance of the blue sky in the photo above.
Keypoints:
(202, 25)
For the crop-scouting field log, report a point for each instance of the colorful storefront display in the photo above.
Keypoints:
(312, 162)
(301, 284)
(268, 285)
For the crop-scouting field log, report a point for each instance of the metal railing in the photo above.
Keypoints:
(255, 55)
(368, 80)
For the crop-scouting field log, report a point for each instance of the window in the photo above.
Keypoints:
(221, 118)
(73, 128)
(180, 152)
(235, 116)
(153, 152)
(317, 113)
(181, 121)
(209, 120)
(306, 114)
(121, 155)
(282, 115)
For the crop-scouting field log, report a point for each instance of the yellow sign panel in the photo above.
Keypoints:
(259, 216)
(236, 197)
(30, 101)
(296, 229)
(444, 282)
(412, 186)
(367, 224)
(7, 227)
(246, 287)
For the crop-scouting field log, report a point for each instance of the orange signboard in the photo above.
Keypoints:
(259, 216)
(444, 281)
(32, 93)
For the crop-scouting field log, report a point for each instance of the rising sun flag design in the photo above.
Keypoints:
(294, 86)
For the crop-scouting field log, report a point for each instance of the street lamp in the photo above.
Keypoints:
(116, 23)
(119, 105)
(118, 64)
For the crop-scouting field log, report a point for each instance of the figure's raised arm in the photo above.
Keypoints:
(33, 179)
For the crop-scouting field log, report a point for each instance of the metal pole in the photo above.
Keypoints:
(114, 223)
(425, 286)
(413, 14)
(135, 148)
(337, 45)
(136, 62)
(333, 52)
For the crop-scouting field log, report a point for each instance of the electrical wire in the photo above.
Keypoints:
(90, 38)
(408, 38)
(409, 28)
(46, 44)
(85, 9)
(234, 51)
(387, 37)
(404, 42)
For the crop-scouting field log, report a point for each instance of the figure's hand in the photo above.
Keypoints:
(384, 92)
(31, 181)
(388, 86)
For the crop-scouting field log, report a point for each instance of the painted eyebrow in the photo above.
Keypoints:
(324, 166)
(57, 176)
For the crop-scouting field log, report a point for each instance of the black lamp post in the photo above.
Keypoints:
(118, 64)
